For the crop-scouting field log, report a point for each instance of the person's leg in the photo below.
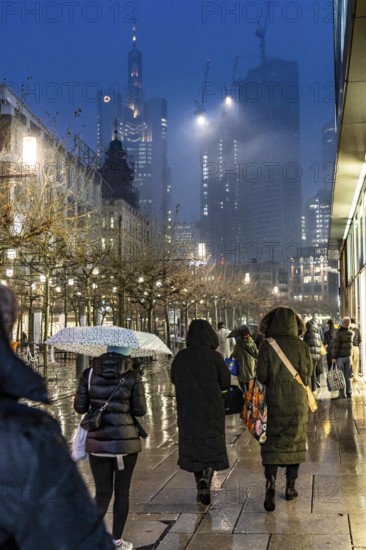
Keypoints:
(270, 472)
(340, 366)
(103, 470)
(313, 378)
(204, 485)
(122, 483)
(197, 477)
(348, 375)
(292, 471)
(355, 360)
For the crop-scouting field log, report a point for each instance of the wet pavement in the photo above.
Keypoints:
(330, 511)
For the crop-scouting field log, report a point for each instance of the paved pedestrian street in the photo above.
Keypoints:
(330, 511)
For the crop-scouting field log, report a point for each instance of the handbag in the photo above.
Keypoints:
(233, 400)
(335, 379)
(312, 404)
(254, 411)
(233, 365)
(93, 418)
(79, 444)
(78, 451)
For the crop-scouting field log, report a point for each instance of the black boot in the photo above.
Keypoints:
(197, 476)
(269, 501)
(204, 486)
(290, 492)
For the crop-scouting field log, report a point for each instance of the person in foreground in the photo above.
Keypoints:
(114, 446)
(285, 445)
(45, 503)
(199, 374)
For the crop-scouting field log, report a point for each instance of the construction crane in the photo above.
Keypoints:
(199, 101)
(261, 30)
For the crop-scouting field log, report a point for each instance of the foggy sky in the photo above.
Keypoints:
(67, 51)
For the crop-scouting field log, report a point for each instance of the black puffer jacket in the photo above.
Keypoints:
(313, 339)
(117, 433)
(343, 343)
(45, 503)
(200, 374)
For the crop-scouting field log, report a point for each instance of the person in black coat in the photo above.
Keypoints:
(313, 339)
(45, 501)
(328, 341)
(114, 446)
(199, 374)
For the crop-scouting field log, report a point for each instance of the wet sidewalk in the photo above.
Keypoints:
(330, 511)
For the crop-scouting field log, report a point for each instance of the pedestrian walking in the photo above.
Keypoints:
(287, 412)
(114, 446)
(226, 344)
(355, 349)
(342, 355)
(328, 341)
(45, 503)
(246, 352)
(313, 340)
(199, 374)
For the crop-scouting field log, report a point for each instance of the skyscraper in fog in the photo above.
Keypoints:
(142, 128)
(256, 167)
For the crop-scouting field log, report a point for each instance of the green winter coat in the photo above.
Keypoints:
(286, 399)
(246, 352)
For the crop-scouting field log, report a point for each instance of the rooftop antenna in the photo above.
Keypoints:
(261, 30)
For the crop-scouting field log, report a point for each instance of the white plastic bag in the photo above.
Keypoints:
(79, 444)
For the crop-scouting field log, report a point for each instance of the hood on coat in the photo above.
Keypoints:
(201, 333)
(16, 378)
(281, 321)
(112, 365)
(312, 325)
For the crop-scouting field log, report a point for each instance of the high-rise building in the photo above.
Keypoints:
(251, 174)
(142, 128)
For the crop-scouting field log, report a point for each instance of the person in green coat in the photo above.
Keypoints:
(285, 445)
(246, 352)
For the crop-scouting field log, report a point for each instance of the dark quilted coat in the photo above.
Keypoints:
(286, 399)
(343, 343)
(313, 339)
(117, 433)
(200, 374)
(45, 503)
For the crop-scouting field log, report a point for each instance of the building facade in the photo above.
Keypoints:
(348, 229)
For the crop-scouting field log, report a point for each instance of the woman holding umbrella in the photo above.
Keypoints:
(114, 446)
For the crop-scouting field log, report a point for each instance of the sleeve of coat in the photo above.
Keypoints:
(224, 376)
(138, 400)
(234, 353)
(81, 400)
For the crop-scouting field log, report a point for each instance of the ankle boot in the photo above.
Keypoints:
(290, 492)
(204, 486)
(197, 476)
(269, 501)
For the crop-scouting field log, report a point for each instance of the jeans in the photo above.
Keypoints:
(106, 477)
(344, 364)
(291, 470)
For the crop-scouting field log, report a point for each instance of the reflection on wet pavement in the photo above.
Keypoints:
(330, 510)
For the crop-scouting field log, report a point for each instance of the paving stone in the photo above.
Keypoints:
(174, 541)
(220, 519)
(358, 531)
(309, 542)
(186, 523)
(225, 541)
(294, 523)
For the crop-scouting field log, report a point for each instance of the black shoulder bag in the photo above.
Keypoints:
(93, 417)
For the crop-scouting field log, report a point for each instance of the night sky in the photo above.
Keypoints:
(67, 51)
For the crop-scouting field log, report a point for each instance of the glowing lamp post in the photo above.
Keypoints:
(29, 151)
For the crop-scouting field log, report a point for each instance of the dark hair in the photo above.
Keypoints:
(353, 320)
(8, 308)
(221, 325)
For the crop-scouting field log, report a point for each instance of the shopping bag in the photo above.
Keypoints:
(335, 379)
(254, 411)
(233, 400)
(233, 365)
(78, 445)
